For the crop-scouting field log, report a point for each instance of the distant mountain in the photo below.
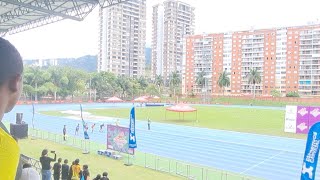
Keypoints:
(87, 63)
(148, 56)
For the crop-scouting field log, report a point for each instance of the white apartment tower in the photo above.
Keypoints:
(122, 38)
(172, 21)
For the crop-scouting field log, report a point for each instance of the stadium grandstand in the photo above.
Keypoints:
(21, 15)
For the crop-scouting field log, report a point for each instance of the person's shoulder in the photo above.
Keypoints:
(29, 173)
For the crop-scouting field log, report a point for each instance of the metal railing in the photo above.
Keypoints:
(34, 162)
(147, 160)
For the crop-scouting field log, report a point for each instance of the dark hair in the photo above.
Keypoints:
(59, 160)
(105, 174)
(26, 165)
(85, 166)
(98, 177)
(77, 161)
(10, 61)
(65, 161)
(44, 152)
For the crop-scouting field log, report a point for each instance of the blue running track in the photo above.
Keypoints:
(267, 157)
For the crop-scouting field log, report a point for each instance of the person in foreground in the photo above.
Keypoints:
(45, 164)
(11, 69)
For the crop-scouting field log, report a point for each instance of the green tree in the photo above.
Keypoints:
(143, 83)
(77, 81)
(254, 78)
(152, 90)
(223, 81)
(35, 77)
(104, 83)
(292, 94)
(159, 82)
(59, 80)
(28, 91)
(174, 82)
(124, 85)
(135, 88)
(201, 79)
(275, 93)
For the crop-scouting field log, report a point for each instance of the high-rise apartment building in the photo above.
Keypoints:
(172, 20)
(288, 60)
(122, 38)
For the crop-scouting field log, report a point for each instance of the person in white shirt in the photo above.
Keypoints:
(28, 173)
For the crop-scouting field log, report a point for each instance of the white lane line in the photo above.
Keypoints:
(261, 162)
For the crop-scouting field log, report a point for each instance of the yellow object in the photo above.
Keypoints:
(76, 171)
(9, 156)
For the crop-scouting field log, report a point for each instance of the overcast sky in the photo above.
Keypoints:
(74, 39)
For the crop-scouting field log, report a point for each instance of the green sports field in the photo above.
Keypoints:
(260, 121)
(96, 163)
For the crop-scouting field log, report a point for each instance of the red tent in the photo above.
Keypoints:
(140, 99)
(114, 99)
(156, 97)
(182, 108)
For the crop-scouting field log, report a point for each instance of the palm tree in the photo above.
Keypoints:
(254, 78)
(159, 82)
(58, 78)
(201, 79)
(224, 81)
(36, 77)
(175, 81)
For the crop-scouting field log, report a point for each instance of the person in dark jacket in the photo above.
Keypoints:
(77, 129)
(65, 170)
(104, 176)
(64, 131)
(57, 169)
(45, 163)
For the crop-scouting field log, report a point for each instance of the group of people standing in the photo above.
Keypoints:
(86, 128)
(64, 171)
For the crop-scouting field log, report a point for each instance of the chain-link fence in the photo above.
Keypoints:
(146, 160)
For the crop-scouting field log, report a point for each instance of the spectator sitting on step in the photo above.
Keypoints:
(104, 176)
(98, 177)
(28, 173)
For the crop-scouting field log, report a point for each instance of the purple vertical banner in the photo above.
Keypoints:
(314, 115)
(302, 120)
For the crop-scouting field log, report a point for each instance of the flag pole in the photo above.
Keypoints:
(33, 130)
(85, 151)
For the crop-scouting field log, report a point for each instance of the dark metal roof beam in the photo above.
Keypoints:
(35, 5)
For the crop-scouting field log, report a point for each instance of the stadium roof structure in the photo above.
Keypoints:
(21, 15)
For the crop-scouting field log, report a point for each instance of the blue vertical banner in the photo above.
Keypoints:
(85, 129)
(310, 159)
(132, 129)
